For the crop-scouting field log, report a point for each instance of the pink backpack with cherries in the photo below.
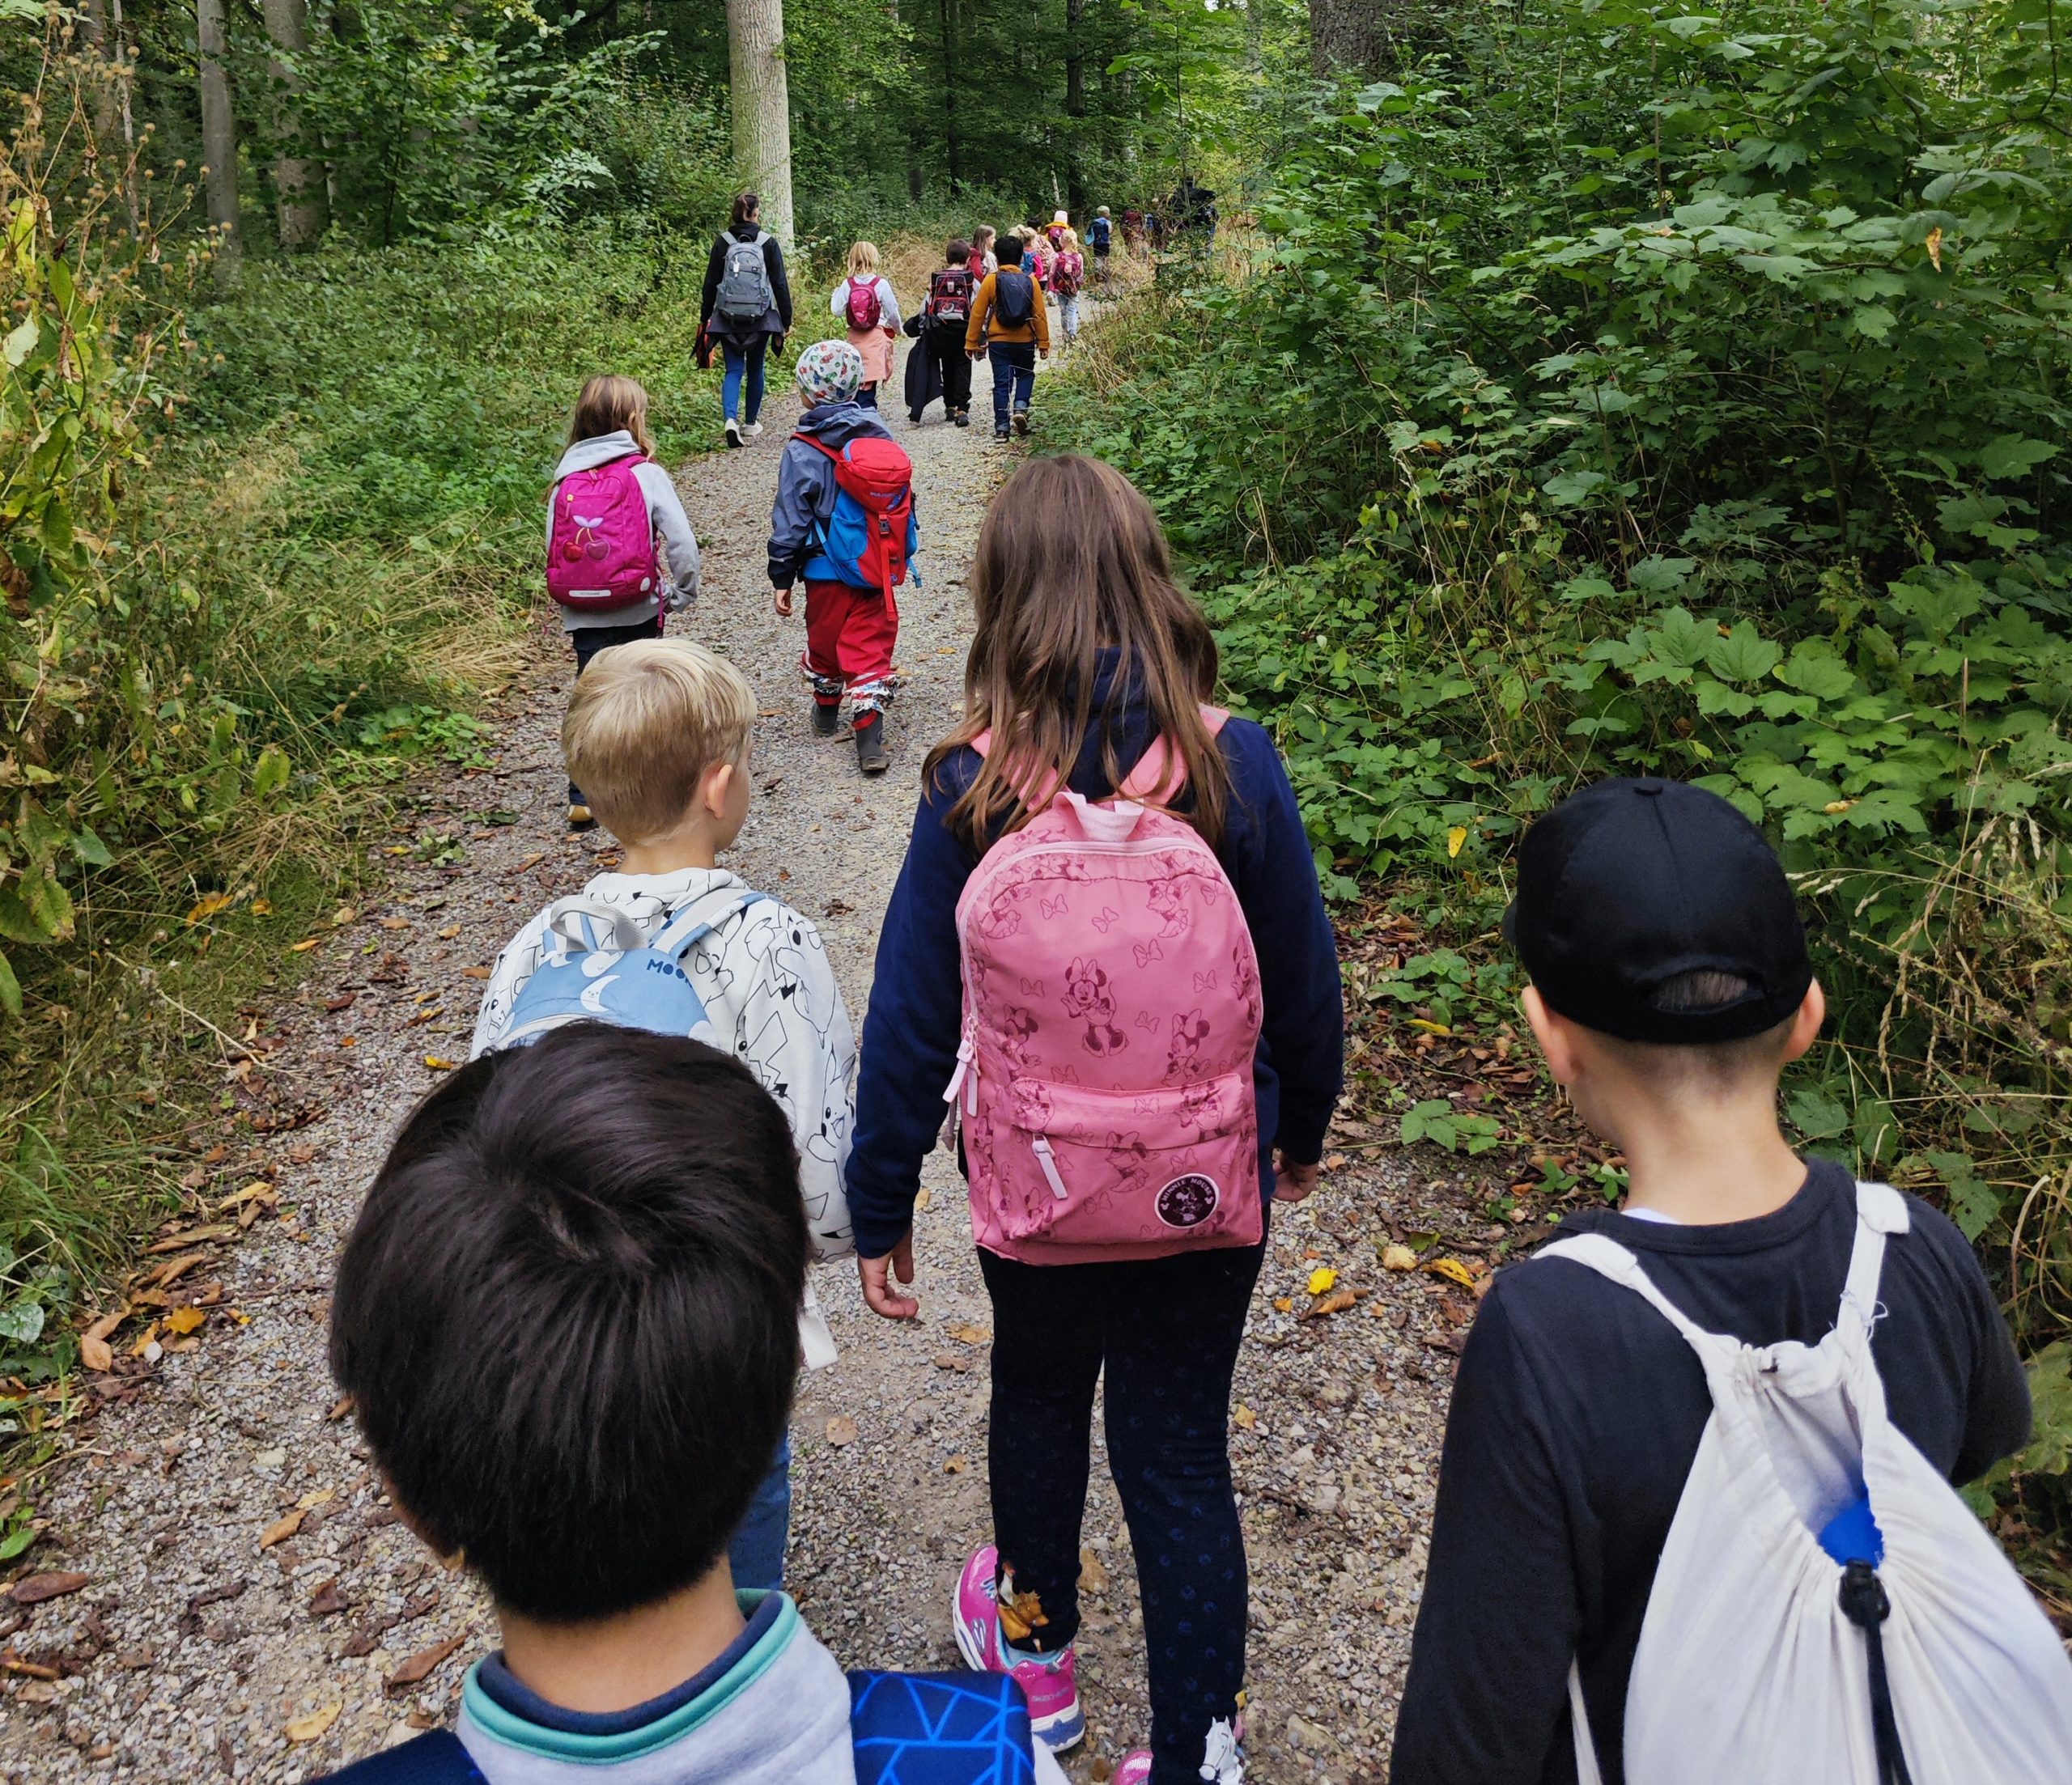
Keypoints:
(601, 554)
(1111, 1016)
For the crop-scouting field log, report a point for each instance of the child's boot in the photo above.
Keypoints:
(1048, 1681)
(963, 418)
(1022, 418)
(871, 756)
(826, 718)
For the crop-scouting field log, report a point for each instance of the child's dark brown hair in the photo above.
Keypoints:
(1071, 562)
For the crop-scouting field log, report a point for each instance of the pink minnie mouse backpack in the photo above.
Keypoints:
(1111, 1015)
(601, 554)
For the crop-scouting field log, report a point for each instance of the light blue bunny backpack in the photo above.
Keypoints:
(599, 968)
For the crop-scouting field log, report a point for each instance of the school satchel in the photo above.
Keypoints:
(1826, 1607)
(1014, 297)
(598, 969)
(1067, 274)
(1111, 1020)
(602, 553)
(933, 1728)
(870, 539)
(744, 297)
(950, 293)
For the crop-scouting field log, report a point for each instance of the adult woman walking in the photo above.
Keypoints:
(747, 304)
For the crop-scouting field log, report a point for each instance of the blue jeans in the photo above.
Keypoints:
(743, 361)
(1014, 371)
(757, 1553)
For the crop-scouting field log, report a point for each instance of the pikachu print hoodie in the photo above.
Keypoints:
(769, 992)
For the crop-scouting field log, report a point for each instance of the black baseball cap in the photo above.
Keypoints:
(1630, 884)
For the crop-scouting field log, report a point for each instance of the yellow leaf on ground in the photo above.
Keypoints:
(924, 1199)
(1335, 1303)
(96, 1354)
(841, 1430)
(344, 915)
(309, 1728)
(1452, 1270)
(282, 1530)
(209, 906)
(474, 973)
(968, 1333)
(304, 946)
(1429, 1027)
(1455, 838)
(395, 923)
(183, 1321)
(957, 1465)
(1321, 1279)
(1399, 1258)
(438, 1065)
(262, 908)
(1284, 1304)
(1244, 1418)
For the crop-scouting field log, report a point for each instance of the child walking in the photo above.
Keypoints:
(659, 733)
(983, 260)
(1010, 325)
(952, 291)
(609, 504)
(864, 300)
(1851, 1334)
(1068, 280)
(852, 614)
(1134, 1012)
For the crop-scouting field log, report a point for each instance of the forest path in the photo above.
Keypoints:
(218, 1637)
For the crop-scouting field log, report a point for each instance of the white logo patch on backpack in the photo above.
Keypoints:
(1763, 1660)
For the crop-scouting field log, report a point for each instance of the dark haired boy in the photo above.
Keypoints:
(953, 290)
(1671, 984)
(568, 1318)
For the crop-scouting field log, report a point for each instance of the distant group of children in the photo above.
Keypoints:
(573, 1310)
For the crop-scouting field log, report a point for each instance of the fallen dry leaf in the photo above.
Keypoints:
(36, 1588)
(344, 1001)
(344, 915)
(309, 1728)
(1399, 1258)
(970, 1333)
(474, 973)
(1021, 1614)
(421, 1663)
(449, 932)
(209, 906)
(317, 1497)
(183, 1321)
(1093, 1573)
(924, 1199)
(340, 1408)
(1335, 1303)
(1284, 1304)
(282, 1527)
(327, 1601)
(394, 923)
(1452, 1270)
(957, 1465)
(841, 1430)
(1321, 1279)
(1244, 1418)
(304, 946)
(439, 1065)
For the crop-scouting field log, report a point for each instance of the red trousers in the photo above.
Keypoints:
(850, 636)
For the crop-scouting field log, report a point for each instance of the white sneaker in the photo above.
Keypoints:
(753, 430)
(734, 432)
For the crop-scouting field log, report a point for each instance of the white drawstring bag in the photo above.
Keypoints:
(1762, 1660)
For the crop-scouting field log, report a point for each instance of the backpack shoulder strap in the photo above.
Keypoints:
(435, 1757)
(1614, 1262)
(700, 917)
(948, 1728)
(819, 445)
(1158, 777)
(1880, 1210)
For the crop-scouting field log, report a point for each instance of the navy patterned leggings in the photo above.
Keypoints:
(1166, 1330)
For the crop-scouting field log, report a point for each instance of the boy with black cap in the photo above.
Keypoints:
(1670, 986)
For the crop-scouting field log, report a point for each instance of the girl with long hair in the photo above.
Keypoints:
(1087, 683)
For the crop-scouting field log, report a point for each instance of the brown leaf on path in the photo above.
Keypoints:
(96, 1354)
(967, 1333)
(344, 1001)
(1334, 1303)
(474, 973)
(188, 1237)
(12, 1663)
(327, 1601)
(309, 1728)
(949, 1360)
(1092, 1572)
(841, 1430)
(35, 1589)
(183, 1321)
(339, 1408)
(959, 1464)
(395, 923)
(1399, 1258)
(1244, 1418)
(282, 1528)
(421, 1663)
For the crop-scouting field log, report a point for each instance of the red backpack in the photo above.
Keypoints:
(871, 533)
(950, 296)
(864, 312)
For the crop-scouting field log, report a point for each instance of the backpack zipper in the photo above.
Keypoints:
(966, 1075)
(1040, 1145)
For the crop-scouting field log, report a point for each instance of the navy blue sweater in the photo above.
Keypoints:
(911, 1032)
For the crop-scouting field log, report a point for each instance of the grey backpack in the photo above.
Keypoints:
(743, 295)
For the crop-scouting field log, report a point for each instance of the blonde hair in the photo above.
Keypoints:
(648, 721)
(1070, 239)
(863, 259)
(609, 403)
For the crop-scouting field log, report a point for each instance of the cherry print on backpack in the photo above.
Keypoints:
(1086, 1139)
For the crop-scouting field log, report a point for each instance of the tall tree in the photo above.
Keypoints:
(219, 124)
(762, 107)
(297, 181)
(1346, 37)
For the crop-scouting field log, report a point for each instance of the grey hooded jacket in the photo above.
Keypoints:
(664, 512)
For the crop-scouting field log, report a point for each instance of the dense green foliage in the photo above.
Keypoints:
(1629, 390)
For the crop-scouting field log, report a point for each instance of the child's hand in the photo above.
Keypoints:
(976, 353)
(1293, 1182)
(1042, 353)
(877, 1274)
(781, 600)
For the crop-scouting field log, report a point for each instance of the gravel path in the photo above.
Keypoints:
(252, 1611)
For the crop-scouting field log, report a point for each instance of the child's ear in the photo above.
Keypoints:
(718, 783)
(1806, 1025)
(1553, 1033)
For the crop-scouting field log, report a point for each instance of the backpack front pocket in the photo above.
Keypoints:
(1162, 1171)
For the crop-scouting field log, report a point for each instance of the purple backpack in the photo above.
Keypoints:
(1111, 1016)
(601, 554)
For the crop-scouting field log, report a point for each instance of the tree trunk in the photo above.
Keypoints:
(218, 125)
(1074, 107)
(299, 181)
(950, 93)
(762, 107)
(1345, 37)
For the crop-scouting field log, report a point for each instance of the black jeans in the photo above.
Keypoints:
(1166, 1332)
(946, 347)
(589, 640)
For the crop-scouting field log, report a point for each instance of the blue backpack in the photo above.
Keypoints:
(908, 1729)
(600, 970)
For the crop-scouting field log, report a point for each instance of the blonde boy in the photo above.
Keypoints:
(657, 736)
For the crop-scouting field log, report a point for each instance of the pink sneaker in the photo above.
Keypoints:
(1223, 1763)
(1047, 1681)
(1134, 1768)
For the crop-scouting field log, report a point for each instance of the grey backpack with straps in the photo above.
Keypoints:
(744, 296)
